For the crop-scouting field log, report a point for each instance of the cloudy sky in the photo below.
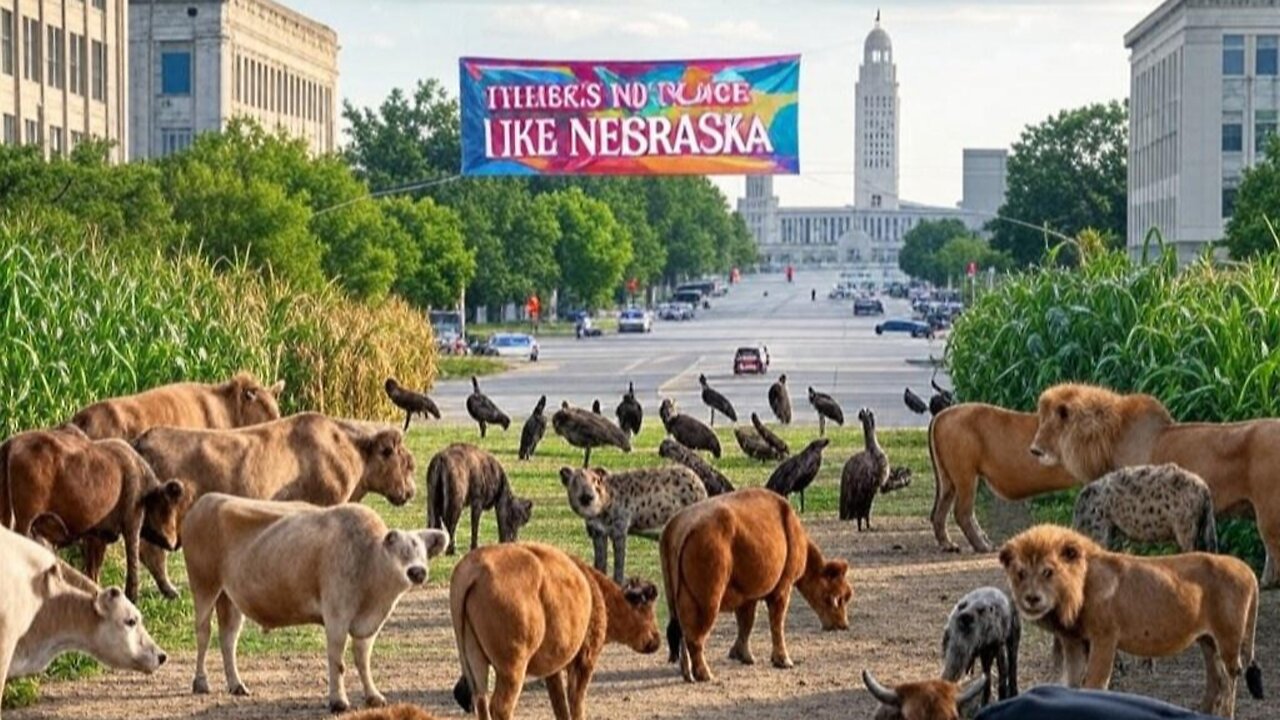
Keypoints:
(971, 74)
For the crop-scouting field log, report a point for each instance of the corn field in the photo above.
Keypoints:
(79, 322)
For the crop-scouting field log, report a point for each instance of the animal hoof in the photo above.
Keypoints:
(169, 592)
(200, 686)
(744, 657)
(951, 548)
(240, 690)
(375, 701)
(339, 706)
(783, 663)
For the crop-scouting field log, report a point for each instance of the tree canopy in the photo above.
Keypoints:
(941, 250)
(1255, 222)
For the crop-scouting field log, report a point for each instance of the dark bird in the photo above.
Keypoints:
(483, 411)
(780, 400)
(914, 402)
(716, 401)
(754, 446)
(770, 437)
(864, 475)
(899, 478)
(410, 402)
(586, 430)
(630, 412)
(828, 409)
(687, 430)
(533, 430)
(595, 407)
(713, 479)
(943, 399)
(798, 471)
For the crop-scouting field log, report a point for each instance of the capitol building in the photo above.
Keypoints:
(866, 236)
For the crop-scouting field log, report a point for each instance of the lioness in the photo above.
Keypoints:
(1095, 602)
(1090, 431)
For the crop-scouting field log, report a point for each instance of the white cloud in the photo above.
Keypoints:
(656, 25)
(741, 30)
(551, 21)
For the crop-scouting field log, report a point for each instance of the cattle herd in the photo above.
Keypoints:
(265, 510)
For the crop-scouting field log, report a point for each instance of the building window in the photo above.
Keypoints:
(99, 71)
(1228, 201)
(76, 139)
(57, 49)
(10, 128)
(31, 132)
(100, 4)
(76, 61)
(1232, 135)
(174, 140)
(56, 144)
(1233, 55)
(175, 73)
(31, 57)
(1265, 60)
(6, 42)
(1264, 128)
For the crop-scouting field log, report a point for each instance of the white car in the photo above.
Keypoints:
(513, 345)
(635, 320)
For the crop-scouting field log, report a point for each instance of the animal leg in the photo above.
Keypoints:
(801, 501)
(942, 501)
(600, 557)
(476, 509)
(1269, 528)
(586, 457)
(579, 675)
(153, 556)
(362, 648)
(741, 650)
(1215, 676)
(696, 621)
(559, 700)
(506, 692)
(204, 604)
(777, 604)
(822, 425)
(1003, 668)
(336, 641)
(408, 415)
(95, 552)
(620, 557)
(10, 643)
(969, 523)
(230, 620)
(1075, 661)
(481, 423)
(131, 537)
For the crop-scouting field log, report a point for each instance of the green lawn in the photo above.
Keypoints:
(557, 328)
(451, 367)
(171, 622)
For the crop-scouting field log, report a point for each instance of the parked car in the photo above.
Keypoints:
(635, 320)
(751, 359)
(519, 345)
(867, 306)
(692, 297)
(676, 311)
(915, 327)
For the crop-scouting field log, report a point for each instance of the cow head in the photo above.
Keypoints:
(388, 466)
(587, 488)
(407, 553)
(513, 514)
(162, 514)
(928, 700)
(631, 617)
(251, 403)
(119, 638)
(826, 588)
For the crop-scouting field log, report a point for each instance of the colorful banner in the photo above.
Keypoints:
(680, 117)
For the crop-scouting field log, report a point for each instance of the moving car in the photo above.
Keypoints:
(635, 320)
(751, 359)
(692, 297)
(868, 306)
(915, 327)
(512, 345)
(676, 311)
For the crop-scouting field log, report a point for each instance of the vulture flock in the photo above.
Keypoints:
(866, 474)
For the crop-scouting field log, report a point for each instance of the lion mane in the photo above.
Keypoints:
(1066, 553)
(1085, 427)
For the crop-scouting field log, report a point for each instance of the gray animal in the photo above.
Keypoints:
(780, 400)
(688, 430)
(983, 626)
(630, 412)
(463, 475)
(483, 410)
(715, 482)
(638, 502)
(534, 428)
(586, 430)
(798, 472)
(1148, 503)
(864, 475)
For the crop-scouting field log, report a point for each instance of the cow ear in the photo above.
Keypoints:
(105, 599)
(389, 540)
(1006, 556)
(276, 388)
(435, 541)
(836, 569)
(565, 474)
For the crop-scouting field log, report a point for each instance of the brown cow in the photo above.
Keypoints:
(80, 487)
(307, 457)
(927, 700)
(532, 610)
(238, 402)
(727, 552)
(393, 712)
(287, 563)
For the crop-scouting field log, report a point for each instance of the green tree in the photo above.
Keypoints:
(952, 260)
(440, 265)
(1255, 222)
(920, 246)
(593, 252)
(406, 138)
(1067, 173)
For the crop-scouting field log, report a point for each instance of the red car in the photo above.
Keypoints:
(754, 359)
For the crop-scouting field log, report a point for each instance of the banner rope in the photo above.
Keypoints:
(419, 185)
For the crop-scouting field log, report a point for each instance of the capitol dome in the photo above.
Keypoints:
(878, 47)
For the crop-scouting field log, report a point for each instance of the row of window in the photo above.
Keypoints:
(276, 90)
(1266, 55)
(1264, 126)
(31, 135)
(45, 55)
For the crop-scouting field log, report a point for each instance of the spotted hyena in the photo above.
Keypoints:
(637, 502)
(1148, 503)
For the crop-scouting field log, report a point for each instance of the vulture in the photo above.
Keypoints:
(714, 400)
(770, 437)
(483, 411)
(798, 471)
(595, 407)
(713, 479)
(864, 475)
(780, 400)
(533, 429)
(410, 402)
(828, 409)
(630, 412)
(942, 400)
(754, 446)
(688, 431)
(914, 402)
(586, 430)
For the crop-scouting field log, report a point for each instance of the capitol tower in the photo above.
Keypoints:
(876, 125)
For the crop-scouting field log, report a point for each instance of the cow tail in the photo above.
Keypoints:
(1253, 673)
(6, 504)
(938, 471)
(671, 579)
(1208, 527)
(464, 689)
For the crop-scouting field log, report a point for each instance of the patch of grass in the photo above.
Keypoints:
(451, 367)
(558, 328)
(171, 622)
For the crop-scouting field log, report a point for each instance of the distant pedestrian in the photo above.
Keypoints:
(813, 295)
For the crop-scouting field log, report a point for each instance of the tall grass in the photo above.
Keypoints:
(80, 322)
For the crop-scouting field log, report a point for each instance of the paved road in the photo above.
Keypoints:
(815, 343)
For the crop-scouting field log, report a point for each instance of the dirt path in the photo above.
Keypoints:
(903, 592)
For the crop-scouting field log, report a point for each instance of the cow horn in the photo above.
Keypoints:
(880, 692)
(972, 692)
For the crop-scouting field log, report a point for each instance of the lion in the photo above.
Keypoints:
(1096, 602)
(974, 440)
(1089, 431)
